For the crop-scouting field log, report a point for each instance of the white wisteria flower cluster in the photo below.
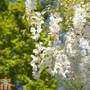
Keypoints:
(53, 60)
(37, 20)
(79, 18)
(56, 56)
(30, 5)
(54, 23)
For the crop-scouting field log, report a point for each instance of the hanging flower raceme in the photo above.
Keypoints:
(55, 61)
(79, 18)
(30, 5)
(54, 23)
(52, 59)
(69, 43)
(84, 46)
(37, 20)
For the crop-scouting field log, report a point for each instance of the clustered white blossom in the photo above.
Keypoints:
(30, 5)
(37, 21)
(55, 58)
(55, 61)
(84, 46)
(79, 21)
(54, 23)
(70, 41)
(79, 18)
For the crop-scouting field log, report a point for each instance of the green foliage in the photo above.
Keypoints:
(45, 83)
(16, 43)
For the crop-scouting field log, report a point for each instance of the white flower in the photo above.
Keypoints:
(30, 5)
(54, 23)
(36, 21)
(62, 64)
(84, 46)
(39, 29)
(33, 30)
(35, 59)
(79, 17)
(36, 37)
(34, 67)
(84, 43)
(36, 51)
(40, 46)
(54, 28)
(69, 48)
(65, 73)
(70, 37)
